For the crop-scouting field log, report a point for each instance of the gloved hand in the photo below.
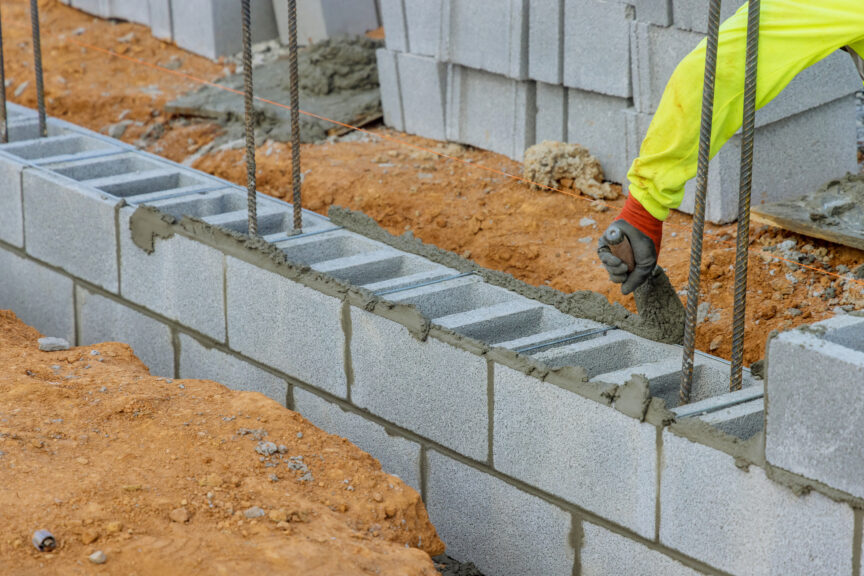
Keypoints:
(644, 233)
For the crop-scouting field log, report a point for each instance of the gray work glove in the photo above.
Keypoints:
(614, 253)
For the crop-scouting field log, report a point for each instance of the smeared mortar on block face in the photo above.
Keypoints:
(659, 320)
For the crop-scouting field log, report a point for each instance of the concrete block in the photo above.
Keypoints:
(423, 86)
(319, 20)
(543, 433)
(384, 269)
(489, 35)
(424, 19)
(397, 455)
(453, 297)
(161, 25)
(213, 28)
(71, 226)
(327, 247)
(604, 553)
(491, 111)
(657, 12)
(275, 220)
(792, 157)
(11, 201)
(551, 123)
(813, 387)
(546, 41)
(182, 279)
(391, 93)
(597, 46)
(283, 324)
(741, 522)
(37, 295)
(432, 388)
(597, 122)
(99, 8)
(102, 319)
(395, 27)
(202, 363)
(138, 12)
(693, 14)
(499, 528)
(59, 148)
(742, 421)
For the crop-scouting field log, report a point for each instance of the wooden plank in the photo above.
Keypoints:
(798, 221)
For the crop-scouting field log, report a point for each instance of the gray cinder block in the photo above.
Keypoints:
(605, 553)
(543, 433)
(319, 20)
(38, 296)
(739, 521)
(391, 92)
(395, 28)
(138, 12)
(397, 455)
(11, 213)
(742, 421)
(99, 8)
(423, 86)
(202, 363)
(490, 111)
(546, 30)
(102, 319)
(212, 28)
(271, 319)
(693, 14)
(425, 30)
(551, 121)
(657, 12)
(430, 387)
(160, 19)
(501, 529)
(813, 389)
(597, 46)
(182, 279)
(597, 122)
(71, 226)
(489, 35)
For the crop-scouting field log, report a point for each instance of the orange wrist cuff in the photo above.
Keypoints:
(637, 216)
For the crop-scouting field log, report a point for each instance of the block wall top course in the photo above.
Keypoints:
(489, 35)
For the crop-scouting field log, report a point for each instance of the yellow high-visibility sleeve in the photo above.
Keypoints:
(794, 34)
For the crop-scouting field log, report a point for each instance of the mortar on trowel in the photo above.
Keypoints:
(656, 300)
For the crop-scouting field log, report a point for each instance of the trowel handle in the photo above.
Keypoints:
(619, 245)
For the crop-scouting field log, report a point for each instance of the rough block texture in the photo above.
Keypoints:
(319, 20)
(160, 19)
(605, 553)
(391, 94)
(182, 280)
(543, 433)
(551, 113)
(741, 522)
(397, 455)
(422, 82)
(693, 14)
(657, 12)
(102, 319)
(597, 122)
(424, 19)
(202, 363)
(212, 28)
(546, 40)
(815, 427)
(272, 319)
(393, 20)
(489, 35)
(504, 531)
(490, 111)
(72, 227)
(432, 388)
(11, 213)
(597, 46)
(38, 296)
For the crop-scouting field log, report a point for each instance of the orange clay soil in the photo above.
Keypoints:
(499, 222)
(160, 474)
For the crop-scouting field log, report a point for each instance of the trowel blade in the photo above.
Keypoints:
(660, 308)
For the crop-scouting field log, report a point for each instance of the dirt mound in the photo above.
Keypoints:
(184, 476)
(561, 165)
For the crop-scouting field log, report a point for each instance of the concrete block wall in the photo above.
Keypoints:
(593, 71)
(540, 442)
(212, 28)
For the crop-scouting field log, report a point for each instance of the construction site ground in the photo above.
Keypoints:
(539, 236)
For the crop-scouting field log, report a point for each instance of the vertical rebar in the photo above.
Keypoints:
(699, 205)
(37, 58)
(748, 129)
(250, 117)
(4, 129)
(294, 77)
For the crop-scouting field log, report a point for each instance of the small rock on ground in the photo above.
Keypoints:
(98, 557)
(50, 344)
(179, 515)
(254, 512)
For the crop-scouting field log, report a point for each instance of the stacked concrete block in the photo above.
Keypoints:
(546, 30)
(397, 455)
(737, 520)
(321, 19)
(489, 35)
(814, 385)
(200, 362)
(423, 104)
(391, 93)
(102, 319)
(604, 553)
(503, 530)
(212, 28)
(693, 14)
